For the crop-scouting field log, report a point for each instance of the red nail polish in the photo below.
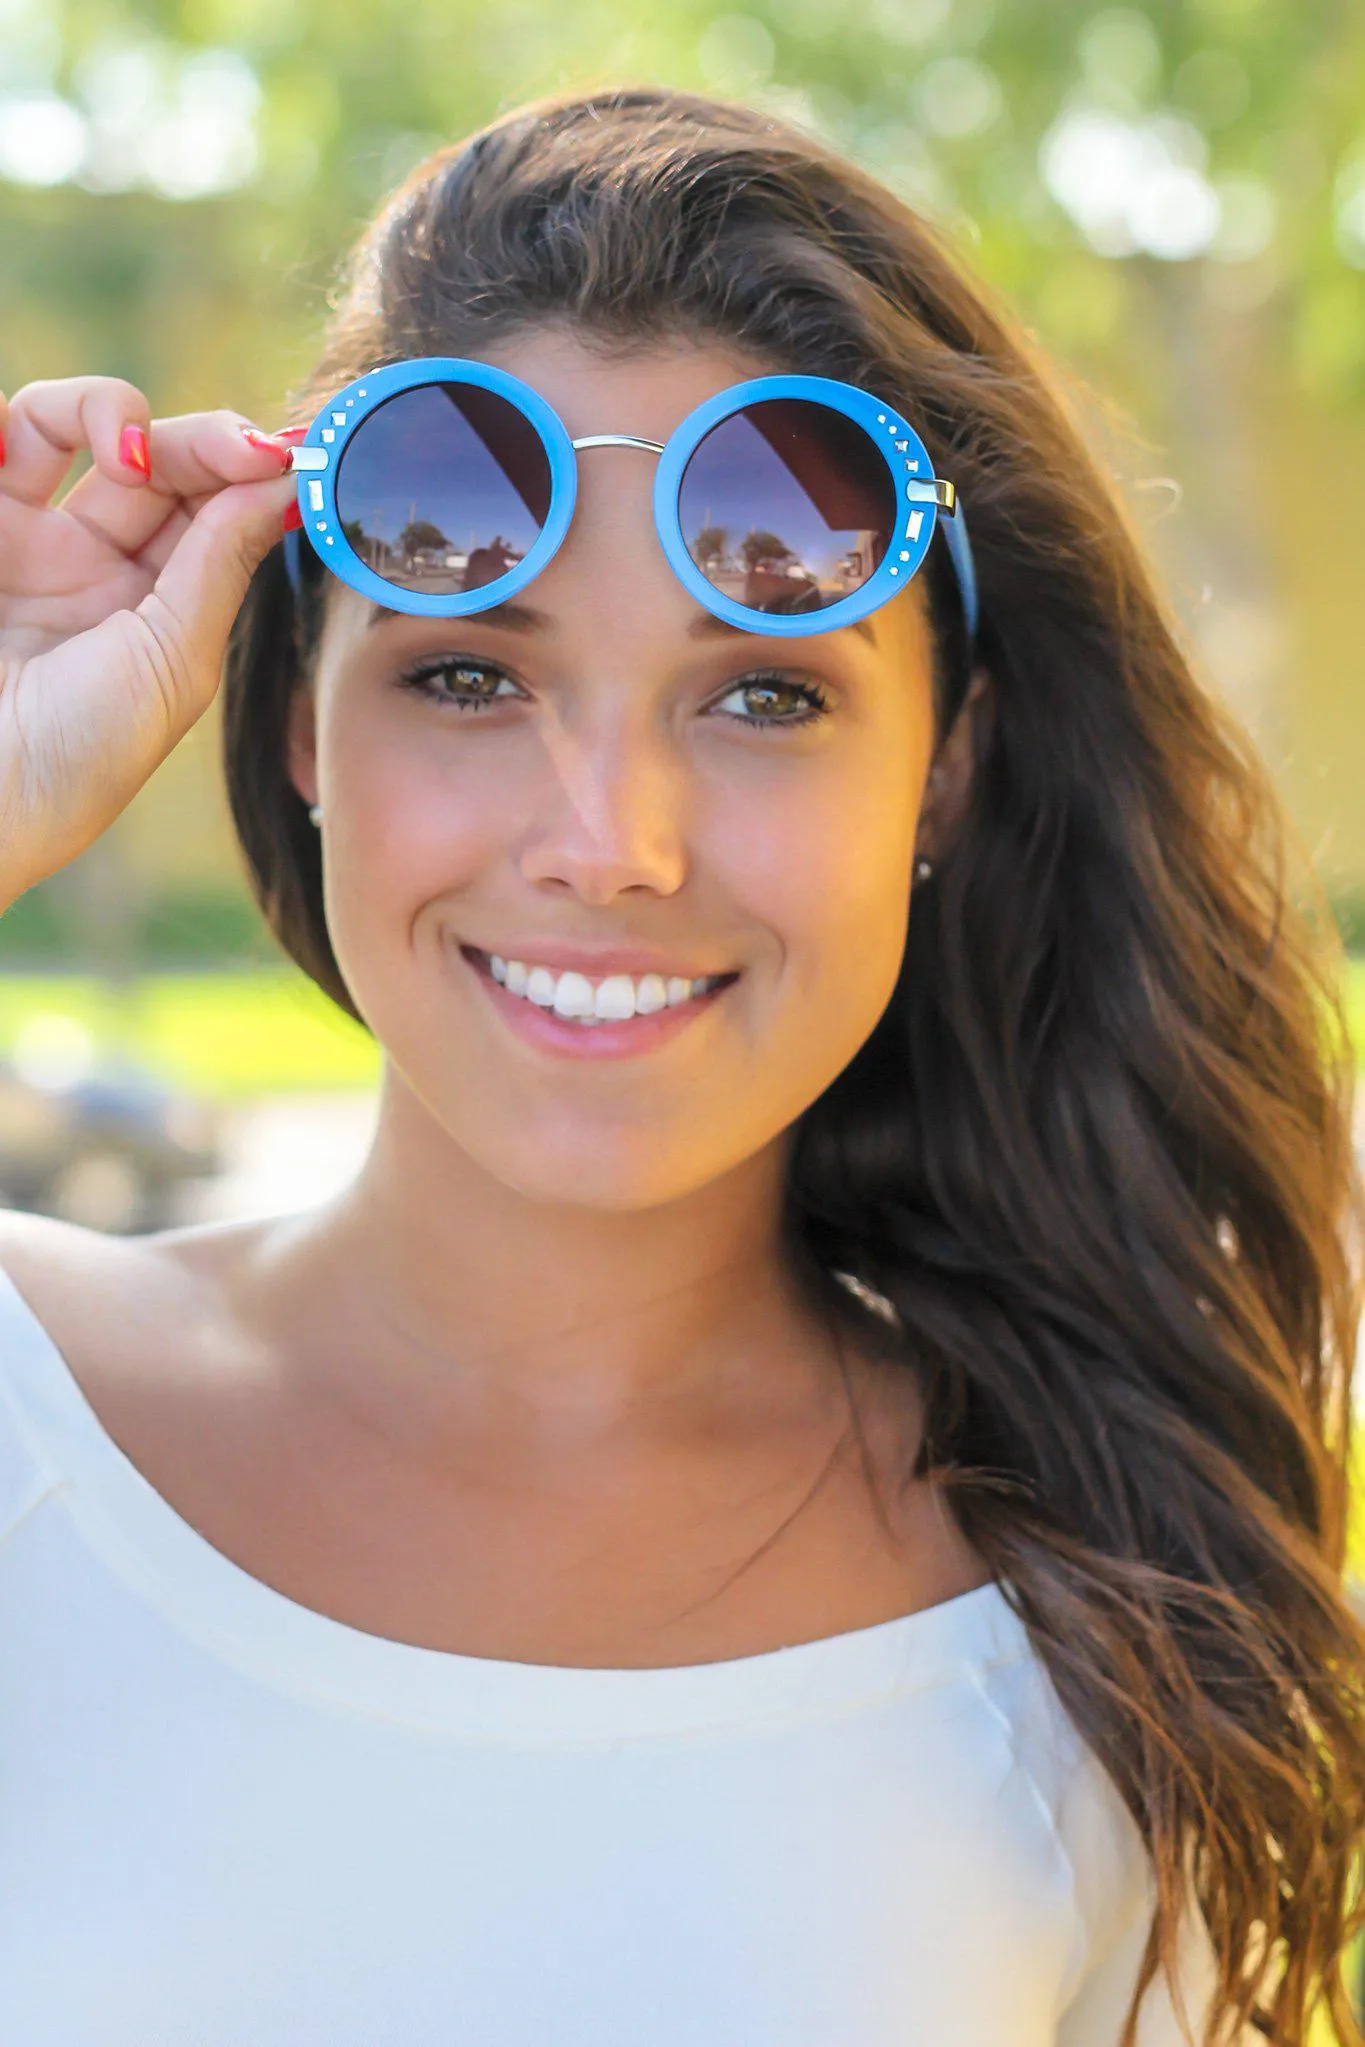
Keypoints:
(292, 434)
(2, 447)
(268, 444)
(133, 451)
(293, 518)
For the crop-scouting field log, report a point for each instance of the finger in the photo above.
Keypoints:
(192, 456)
(153, 558)
(50, 422)
(200, 589)
(197, 452)
(168, 536)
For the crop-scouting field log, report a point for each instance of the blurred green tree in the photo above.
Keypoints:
(1172, 193)
(215, 156)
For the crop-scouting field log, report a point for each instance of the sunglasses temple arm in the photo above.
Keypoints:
(293, 561)
(954, 531)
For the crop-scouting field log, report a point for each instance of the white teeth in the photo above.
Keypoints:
(572, 994)
(616, 998)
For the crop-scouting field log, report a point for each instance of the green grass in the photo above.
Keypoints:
(253, 1031)
(224, 1035)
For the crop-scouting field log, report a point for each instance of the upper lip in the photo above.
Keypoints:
(596, 963)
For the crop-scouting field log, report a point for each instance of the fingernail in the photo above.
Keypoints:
(292, 434)
(2, 447)
(268, 444)
(293, 518)
(133, 452)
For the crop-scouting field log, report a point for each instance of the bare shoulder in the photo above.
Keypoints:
(122, 1309)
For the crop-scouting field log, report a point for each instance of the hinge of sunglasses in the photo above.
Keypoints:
(940, 492)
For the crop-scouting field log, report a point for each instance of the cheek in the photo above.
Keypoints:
(826, 864)
(822, 870)
(408, 821)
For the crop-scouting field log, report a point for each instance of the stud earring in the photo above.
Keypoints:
(315, 814)
(923, 869)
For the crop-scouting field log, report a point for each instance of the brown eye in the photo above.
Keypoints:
(468, 685)
(774, 700)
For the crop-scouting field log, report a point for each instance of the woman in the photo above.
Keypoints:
(798, 1498)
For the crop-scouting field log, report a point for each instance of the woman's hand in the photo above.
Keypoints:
(115, 605)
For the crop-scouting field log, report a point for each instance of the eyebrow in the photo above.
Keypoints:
(521, 618)
(517, 618)
(706, 626)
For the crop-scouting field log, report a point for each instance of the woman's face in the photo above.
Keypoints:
(609, 782)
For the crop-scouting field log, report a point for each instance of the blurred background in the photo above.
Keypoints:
(1173, 195)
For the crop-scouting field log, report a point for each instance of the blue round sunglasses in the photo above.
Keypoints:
(784, 505)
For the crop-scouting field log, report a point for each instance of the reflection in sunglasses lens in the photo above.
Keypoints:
(787, 506)
(443, 488)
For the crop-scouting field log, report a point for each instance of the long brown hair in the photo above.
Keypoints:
(1096, 1153)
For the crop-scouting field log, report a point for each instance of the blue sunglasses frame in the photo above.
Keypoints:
(921, 494)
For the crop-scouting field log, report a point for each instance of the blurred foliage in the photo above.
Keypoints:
(199, 927)
(173, 927)
(1064, 144)
(1171, 194)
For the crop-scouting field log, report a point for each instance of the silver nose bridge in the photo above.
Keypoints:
(618, 441)
(920, 492)
(319, 458)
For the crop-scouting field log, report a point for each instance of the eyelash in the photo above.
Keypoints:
(422, 679)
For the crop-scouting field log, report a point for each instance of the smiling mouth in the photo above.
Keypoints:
(589, 1001)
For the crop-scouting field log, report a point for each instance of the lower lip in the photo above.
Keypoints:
(589, 1041)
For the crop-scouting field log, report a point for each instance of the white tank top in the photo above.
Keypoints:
(229, 1821)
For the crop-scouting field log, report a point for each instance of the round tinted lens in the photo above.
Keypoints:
(443, 488)
(787, 505)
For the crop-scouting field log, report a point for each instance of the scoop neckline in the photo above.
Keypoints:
(288, 1646)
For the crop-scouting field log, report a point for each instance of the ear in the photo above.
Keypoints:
(301, 757)
(949, 783)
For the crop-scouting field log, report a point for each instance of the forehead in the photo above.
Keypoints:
(644, 388)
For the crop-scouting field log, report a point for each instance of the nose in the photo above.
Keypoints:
(615, 803)
(615, 810)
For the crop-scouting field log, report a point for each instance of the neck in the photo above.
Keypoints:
(455, 1299)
